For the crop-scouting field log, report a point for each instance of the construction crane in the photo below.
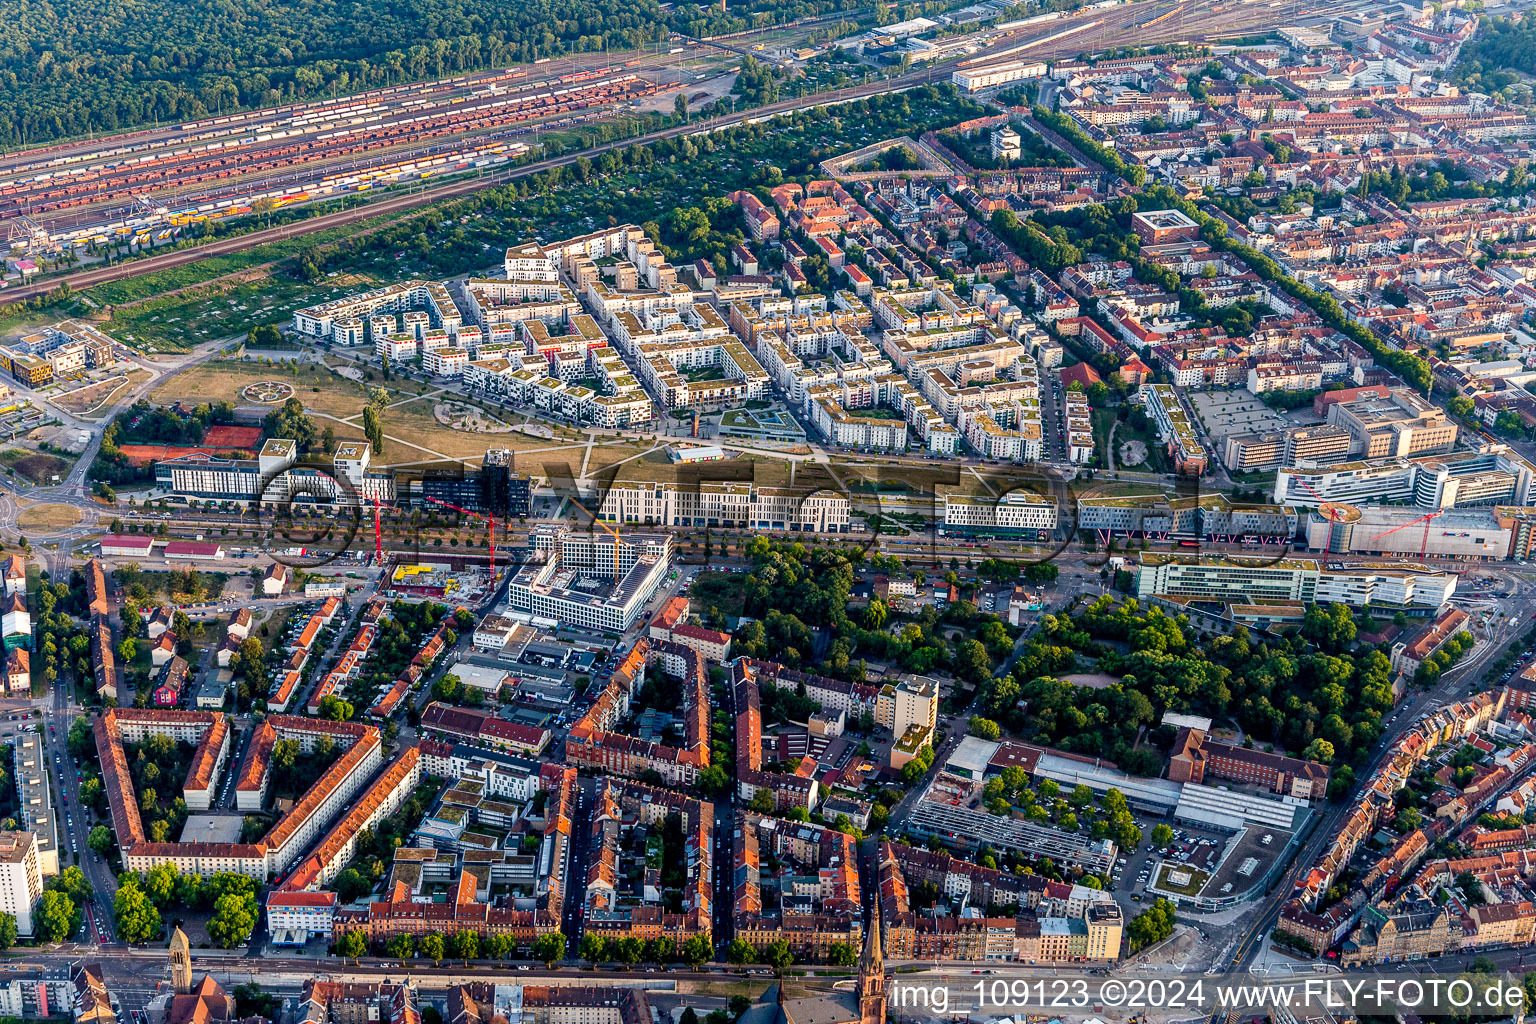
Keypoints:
(611, 532)
(488, 518)
(1425, 519)
(1329, 510)
(378, 535)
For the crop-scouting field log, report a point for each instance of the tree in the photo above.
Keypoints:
(971, 660)
(7, 931)
(593, 947)
(1319, 750)
(100, 841)
(696, 951)
(72, 883)
(762, 801)
(740, 951)
(1162, 835)
(549, 948)
(160, 884)
(234, 918)
(373, 429)
(335, 709)
(400, 946)
(984, 728)
(137, 919)
(289, 420)
(680, 106)
(1151, 926)
(842, 954)
(465, 945)
(778, 955)
(350, 885)
(351, 945)
(629, 949)
(1409, 819)
(54, 920)
(431, 947)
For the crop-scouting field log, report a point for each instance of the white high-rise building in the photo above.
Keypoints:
(21, 880)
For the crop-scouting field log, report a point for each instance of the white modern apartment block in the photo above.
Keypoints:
(1176, 428)
(35, 800)
(1079, 424)
(1018, 513)
(724, 504)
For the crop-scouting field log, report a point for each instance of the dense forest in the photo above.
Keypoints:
(106, 65)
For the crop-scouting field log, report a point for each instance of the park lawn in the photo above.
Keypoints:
(1157, 458)
(1102, 420)
(38, 467)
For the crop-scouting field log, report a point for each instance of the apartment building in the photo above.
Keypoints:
(725, 504)
(1018, 513)
(912, 701)
(21, 878)
(1175, 427)
(1268, 377)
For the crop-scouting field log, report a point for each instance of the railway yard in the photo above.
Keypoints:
(146, 185)
(224, 166)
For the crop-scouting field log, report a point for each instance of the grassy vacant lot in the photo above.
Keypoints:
(38, 467)
(42, 517)
(84, 401)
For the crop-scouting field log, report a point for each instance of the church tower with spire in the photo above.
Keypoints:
(181, 963)
(872, 974)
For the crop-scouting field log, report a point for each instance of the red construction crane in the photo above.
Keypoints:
(477, 515)
(378, 536)
(1425, 519)
(1328, 509)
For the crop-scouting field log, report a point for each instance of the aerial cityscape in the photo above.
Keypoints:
(792, 513)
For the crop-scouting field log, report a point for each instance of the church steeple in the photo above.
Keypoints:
(872, 974)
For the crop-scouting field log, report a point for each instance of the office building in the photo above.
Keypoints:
(593, 580)
(1494, 476)
(1401, 425)
(1251, 581)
